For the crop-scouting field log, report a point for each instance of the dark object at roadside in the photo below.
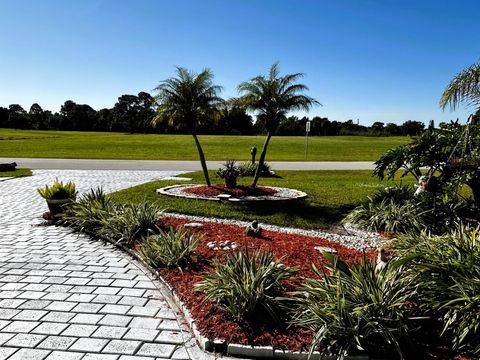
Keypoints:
(253, 151)
(8, 167)
(254, 229)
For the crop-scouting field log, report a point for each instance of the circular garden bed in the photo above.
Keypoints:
(240, 193)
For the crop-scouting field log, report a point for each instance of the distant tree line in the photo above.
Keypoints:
(134, 114)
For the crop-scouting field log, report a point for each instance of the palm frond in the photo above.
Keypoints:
(464, 88)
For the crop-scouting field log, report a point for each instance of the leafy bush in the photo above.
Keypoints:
(390, 216)
(246, 168)
(354, 308)
(247, 285)
(229, 170)
(90, 212)
(58, 191)
(132, 222)
(397, 194)
(168, 249)
(446, 271)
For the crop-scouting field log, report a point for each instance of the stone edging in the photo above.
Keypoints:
(289, 194)
(218, 345)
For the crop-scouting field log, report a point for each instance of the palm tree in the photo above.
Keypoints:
(189, 99)
(272, 97)
(464, 88)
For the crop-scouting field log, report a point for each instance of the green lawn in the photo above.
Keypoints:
(96, 145)
(331, 195)
(16, 173)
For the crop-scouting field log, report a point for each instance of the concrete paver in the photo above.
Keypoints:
(66, 296)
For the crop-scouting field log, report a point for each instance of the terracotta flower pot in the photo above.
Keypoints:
(56, 206)
(231, 182)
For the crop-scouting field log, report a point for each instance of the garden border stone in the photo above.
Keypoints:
(282, 194)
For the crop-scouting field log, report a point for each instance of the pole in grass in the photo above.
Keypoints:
(307, 130)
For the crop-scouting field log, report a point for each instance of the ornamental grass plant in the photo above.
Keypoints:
(58, 191)
(248, 285)
(172, 248)
(132, 222)
(446, 271)
(355, 308)
(90, 212)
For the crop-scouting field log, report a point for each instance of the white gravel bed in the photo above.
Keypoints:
(355, 239)
(281, 194)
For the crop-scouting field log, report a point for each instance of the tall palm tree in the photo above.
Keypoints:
(464, 88)
(272, 97)
(189, 99)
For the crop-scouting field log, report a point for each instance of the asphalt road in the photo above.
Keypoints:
(94, 164)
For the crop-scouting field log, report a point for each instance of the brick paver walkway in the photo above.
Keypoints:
(64, 296)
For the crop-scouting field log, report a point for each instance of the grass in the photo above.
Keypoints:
(98, 145)
(16, 173)
(331, 195)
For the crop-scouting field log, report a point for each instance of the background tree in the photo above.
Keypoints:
(36, 117)
(133, 113)
(412, 128)
(189, 99)
(272, 97)
(17, 117)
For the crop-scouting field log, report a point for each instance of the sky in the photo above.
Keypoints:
(366, 60)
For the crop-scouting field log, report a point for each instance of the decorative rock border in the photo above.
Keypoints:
(353, 237)
(282, 194)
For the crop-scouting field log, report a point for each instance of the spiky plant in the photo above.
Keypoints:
(90, 211)
(247, 285)
(168, 249)
(132, 222)
(390, 216)
(446, 271)
(58, 191)
(354, 308)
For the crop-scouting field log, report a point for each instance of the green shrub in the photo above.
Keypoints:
(397, 194)
(390, 216)
(246, 168)
(132, 222)
(354, 308)
(58, 191)
(90, 212)
(229, 170)
(247, 286)
(168, 249)
(447, 273)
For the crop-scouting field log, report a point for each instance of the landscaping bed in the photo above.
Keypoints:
(294, 250)
(239, 191)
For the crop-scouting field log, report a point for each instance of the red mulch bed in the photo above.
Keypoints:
(215, 323)
(239, 191)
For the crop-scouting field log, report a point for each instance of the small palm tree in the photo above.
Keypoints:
(189, 99)
(272, 97)
(464, 88)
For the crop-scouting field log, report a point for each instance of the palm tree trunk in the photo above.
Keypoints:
(202, 160)
(261, 161)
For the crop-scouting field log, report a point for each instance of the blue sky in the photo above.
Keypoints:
(372, 60)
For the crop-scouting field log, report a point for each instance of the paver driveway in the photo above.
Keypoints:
(64, 296)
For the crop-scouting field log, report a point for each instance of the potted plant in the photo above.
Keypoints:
(58, 195)
(229, 172)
